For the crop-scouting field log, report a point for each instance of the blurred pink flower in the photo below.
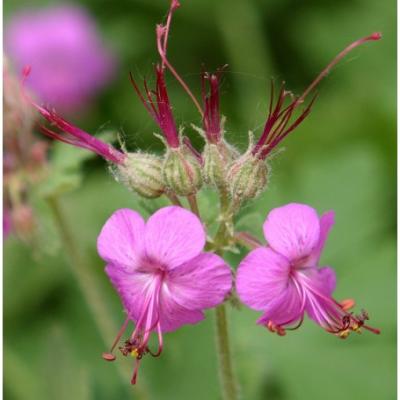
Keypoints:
(61, 44)
(284, 280)
(159, 270)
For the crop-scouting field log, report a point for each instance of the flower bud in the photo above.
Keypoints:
(217, 158)
(182, 171)
(141, 173)
(247, 177)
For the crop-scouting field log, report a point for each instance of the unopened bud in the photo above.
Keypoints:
(217, 158)
(182, 171)
(141, 173)
(247, 177)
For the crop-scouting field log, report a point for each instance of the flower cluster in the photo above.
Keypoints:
(160, 269)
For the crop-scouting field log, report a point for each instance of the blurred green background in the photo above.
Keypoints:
(342, 157)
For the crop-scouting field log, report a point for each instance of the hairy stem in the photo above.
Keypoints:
(222, 236)
(91, 291)
(174, 199)
(226, 374)
(228, 381)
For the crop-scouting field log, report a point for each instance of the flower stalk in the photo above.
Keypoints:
(90, 290)
(228, 380)
(226, 372)
(247, 240)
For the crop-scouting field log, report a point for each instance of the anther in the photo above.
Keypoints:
(108, 356)
(347, 304)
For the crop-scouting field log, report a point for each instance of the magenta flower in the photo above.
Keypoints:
(284, 280)
(159, 270)
(67, 56)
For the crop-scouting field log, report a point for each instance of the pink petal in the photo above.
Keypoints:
(173, 236)
(121, 241)
(322, 283)
(286, 309)
(322, 280)
(262, 276)
(292, 230)
(327, 220)
(132, 287)
(202, 282)
(173, 315)
(327, 277)
(135, 289)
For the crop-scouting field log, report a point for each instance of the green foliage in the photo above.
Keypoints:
(66, 164)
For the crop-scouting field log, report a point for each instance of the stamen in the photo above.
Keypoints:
(189, 145)
(347, 304)
(108, 357)
(276, 129)
(162, 33)
(211, 118)
(158, 106)
(335, 319)
(272, 327)
(135, 371)
(120, 333)
(137, 345)
(173, 7)
(160, 343)
(70, 133)
(374, 36)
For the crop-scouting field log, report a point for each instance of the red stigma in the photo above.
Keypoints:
(375, 36)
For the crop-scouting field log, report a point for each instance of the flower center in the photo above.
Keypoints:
(148, 321)
(321, 307)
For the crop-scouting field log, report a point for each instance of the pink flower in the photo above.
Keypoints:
(67, 56)
(159, 270)
(284, 280)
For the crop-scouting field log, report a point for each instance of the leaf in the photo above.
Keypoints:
(65, 167)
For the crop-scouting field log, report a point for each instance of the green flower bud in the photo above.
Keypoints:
(182, 171)
(247, 177)
(141, 173)
(214, 168)
(217, 158)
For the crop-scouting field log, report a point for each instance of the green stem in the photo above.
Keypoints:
(193, 204)
(226, 374)
(220, 238)
(174, 199)
(247, 240)
(227, 377)
(91, 291)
